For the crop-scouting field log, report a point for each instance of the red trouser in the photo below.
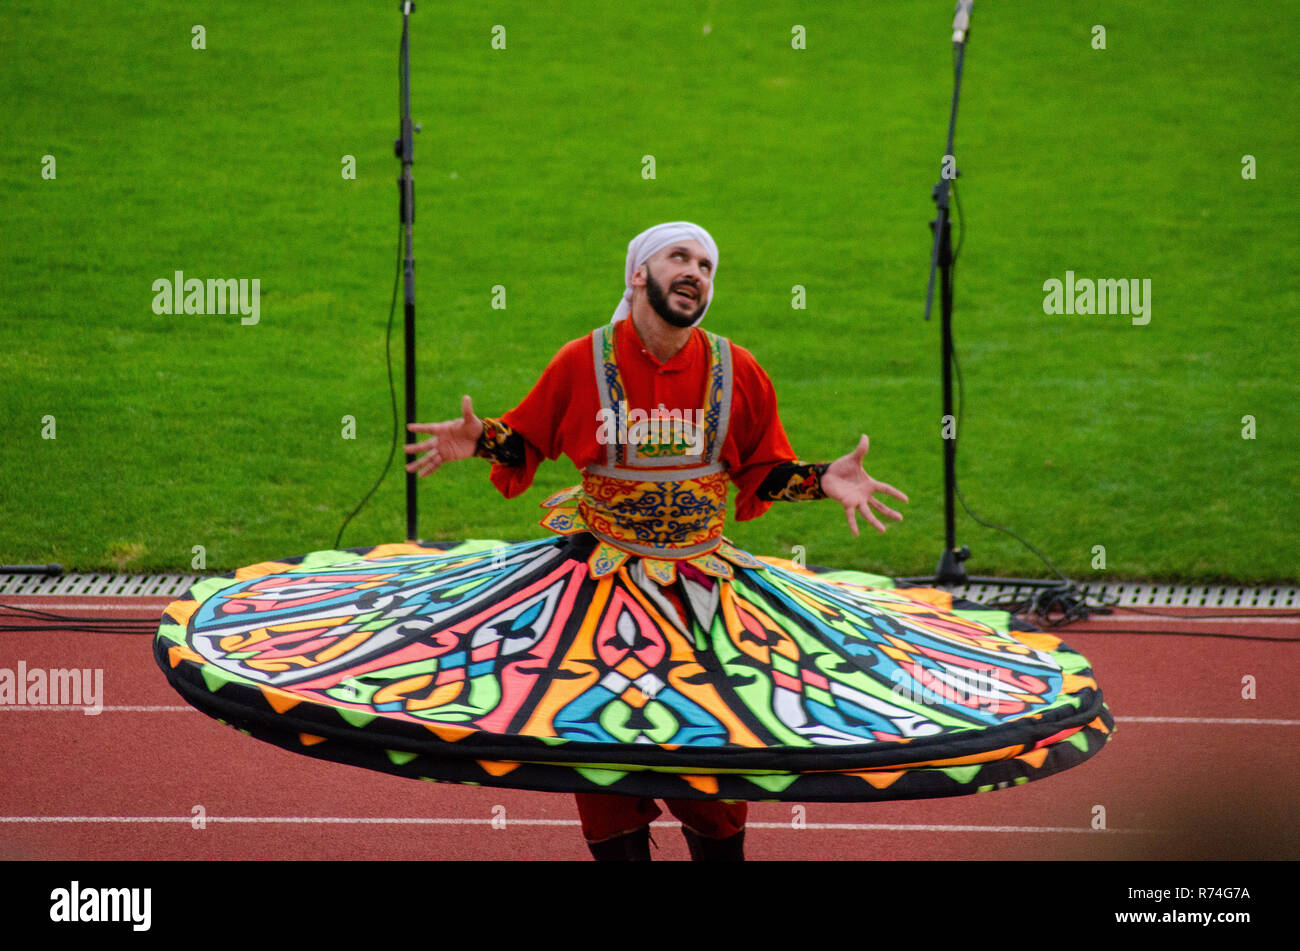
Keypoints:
(604, 815)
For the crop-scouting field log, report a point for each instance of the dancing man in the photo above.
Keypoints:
(658, 416)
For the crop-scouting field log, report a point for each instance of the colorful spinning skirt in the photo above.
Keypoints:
(496, 664)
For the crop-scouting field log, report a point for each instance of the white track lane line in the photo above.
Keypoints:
(667, 823)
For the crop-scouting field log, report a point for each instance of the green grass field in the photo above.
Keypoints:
(810, 167)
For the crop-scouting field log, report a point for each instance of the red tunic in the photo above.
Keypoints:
(560, 414)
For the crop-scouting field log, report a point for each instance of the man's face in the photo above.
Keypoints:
(677, 280)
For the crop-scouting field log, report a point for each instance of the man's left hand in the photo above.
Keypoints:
(848, 483)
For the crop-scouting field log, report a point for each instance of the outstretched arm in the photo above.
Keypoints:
(461, 438)
(847, 482)
(448, 441)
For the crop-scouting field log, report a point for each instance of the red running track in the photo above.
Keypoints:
(1195, 770)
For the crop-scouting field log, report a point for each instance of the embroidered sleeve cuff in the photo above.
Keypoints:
(793, 482)
(500, 443)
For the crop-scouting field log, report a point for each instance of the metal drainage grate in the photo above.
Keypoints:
(98, 586)
(1137, 594)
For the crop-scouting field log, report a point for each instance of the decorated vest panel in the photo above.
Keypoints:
(661, 492)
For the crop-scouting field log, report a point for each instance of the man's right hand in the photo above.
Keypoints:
(454, 439)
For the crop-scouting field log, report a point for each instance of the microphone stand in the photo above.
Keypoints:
(404, 148)
(951, 570)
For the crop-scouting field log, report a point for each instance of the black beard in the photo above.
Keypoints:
(654, 292)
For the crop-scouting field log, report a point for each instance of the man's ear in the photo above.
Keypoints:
(638, 276)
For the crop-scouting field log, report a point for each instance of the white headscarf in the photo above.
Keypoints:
(640, 248)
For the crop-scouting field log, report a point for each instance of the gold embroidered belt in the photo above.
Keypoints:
(662, 516)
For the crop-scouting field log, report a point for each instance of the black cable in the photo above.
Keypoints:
(1082, 609)
(38, 614)
(88, 621)
(117, 627)
(37, 620)
(961, 409)
(1049, 608)
(1231, 637)
(388, 335)
(392, 392)
(136, 626)
(1246, 613)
